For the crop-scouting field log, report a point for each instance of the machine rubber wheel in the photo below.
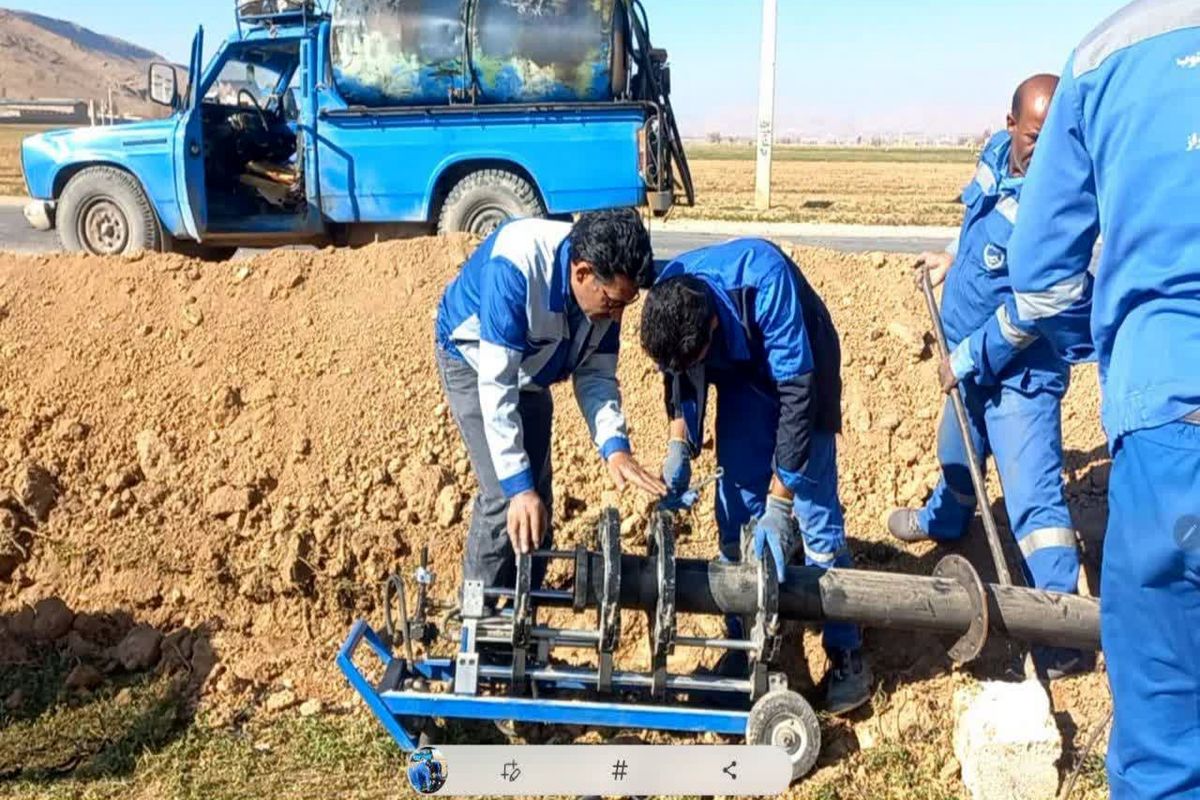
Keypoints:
(785, 719)
(481, 201)
(104, 211)
(203, 252)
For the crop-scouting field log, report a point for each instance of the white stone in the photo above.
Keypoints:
(1007, 742)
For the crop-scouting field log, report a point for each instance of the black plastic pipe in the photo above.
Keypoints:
(871, 599)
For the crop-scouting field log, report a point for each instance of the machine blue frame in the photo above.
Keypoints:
(389, 706)
(357, 166)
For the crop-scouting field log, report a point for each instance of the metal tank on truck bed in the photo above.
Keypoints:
(426, 52)
(375, 117)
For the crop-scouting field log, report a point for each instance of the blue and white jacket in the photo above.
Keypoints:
(1120, 154)
(511, 315)
(991, 345)
(774, 334)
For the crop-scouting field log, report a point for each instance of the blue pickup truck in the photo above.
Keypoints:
(374, 118)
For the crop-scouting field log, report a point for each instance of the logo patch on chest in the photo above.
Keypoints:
(994, 257)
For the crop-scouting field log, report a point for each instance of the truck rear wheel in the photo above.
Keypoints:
(104, 211)
(483, 200)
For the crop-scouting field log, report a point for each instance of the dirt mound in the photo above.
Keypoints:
(252, 447)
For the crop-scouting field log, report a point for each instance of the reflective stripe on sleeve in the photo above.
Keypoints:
(1015, 336)
(1053, 301)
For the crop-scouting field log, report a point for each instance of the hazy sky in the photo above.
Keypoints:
(845, 66)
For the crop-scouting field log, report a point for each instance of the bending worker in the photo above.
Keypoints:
(740, 317)
(1012, 381)
(1120, 158)
(537, 303)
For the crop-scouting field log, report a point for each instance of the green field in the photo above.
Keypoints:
(923, 155)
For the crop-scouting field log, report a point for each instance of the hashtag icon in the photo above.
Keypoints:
(620, 769)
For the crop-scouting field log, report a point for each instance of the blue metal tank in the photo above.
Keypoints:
(526, 51)
(399, 52)
(434, 52)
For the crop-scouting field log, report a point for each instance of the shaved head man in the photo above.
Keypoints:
(1030, 105)
(1012, 380)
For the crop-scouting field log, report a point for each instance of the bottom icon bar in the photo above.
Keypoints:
(470, 770)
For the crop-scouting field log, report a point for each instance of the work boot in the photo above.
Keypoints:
(1059, 662)
(904, 525)
(850, 682)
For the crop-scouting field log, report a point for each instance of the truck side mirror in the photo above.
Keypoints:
(164, 85)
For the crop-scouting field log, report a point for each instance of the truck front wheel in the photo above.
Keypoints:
(104, 211)
(482, 200)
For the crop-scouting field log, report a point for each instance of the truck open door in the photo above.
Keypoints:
(189, 150)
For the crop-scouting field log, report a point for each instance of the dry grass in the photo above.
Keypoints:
(11, 181)
(855, 186)
(898, 155)
(854, 192)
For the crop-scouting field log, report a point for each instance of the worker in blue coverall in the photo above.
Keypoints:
(1012, 381)
(739, 316)
(538, 302)
(1119, 158)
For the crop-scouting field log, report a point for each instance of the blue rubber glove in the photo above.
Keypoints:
(677, 469)
(775, 530)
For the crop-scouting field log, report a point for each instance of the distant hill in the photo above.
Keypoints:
(45, 57)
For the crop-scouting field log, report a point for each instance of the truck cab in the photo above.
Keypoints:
(382, 118)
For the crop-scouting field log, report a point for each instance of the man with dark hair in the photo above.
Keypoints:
(1012, 381)
(739, 316)
(537, 303)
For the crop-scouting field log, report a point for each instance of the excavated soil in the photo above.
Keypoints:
(248, 449)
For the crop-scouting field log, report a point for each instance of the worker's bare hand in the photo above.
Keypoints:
(625, 470)
(946, 375)
(938, 265)
(527, 521)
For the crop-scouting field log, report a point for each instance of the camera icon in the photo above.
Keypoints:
(427, 770)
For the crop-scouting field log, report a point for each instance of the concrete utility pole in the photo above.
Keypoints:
(766, 108)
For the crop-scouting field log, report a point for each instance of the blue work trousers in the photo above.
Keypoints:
(1024, 433)
(747, 418)
(1150, 614)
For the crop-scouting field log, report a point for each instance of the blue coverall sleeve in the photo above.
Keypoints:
(685, 394)
(503, 326)
(599, 395)
(986, 353)
(780, 320)
(1051, 248)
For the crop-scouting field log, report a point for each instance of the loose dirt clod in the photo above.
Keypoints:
(51, 619)
(84, 676)
(225, 501)
(34, 488)
(140, 648)
(278, 701)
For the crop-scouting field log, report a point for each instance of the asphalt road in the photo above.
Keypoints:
(16, 235)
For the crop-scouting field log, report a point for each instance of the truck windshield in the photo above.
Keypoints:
(238, 78)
